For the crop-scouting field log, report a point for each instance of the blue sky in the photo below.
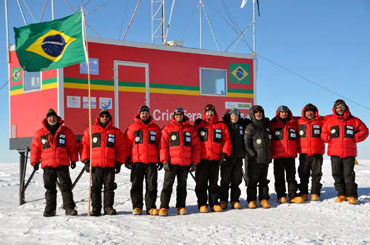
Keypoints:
(326, 41)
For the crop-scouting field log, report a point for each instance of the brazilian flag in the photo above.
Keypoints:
(239, 73)
(51, 45)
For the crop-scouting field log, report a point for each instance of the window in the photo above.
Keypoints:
(31, 80)
(212, 81)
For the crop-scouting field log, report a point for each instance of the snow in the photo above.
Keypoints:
(324, 222)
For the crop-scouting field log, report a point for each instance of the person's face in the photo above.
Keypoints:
(234, 118)
(283, 114)
(209, 113)
(340, 109)
(309, 114)
(144, 116)
(104, 119)
(179, 117)
(52, 120)
(258, 115)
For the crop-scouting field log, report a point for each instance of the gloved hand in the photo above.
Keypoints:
(118, 167)
(223, 160)
(128, 163)
(73, 165)
(167, 166)
(36, 166)
(87, 165)
(193, 167)
(159, 166)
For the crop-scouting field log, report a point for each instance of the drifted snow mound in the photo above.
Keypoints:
(323, 222)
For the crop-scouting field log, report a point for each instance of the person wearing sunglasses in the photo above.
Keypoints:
(108, 154)
(342, 131)
(179, 153)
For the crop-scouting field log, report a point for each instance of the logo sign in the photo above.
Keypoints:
(16, 74)
(94, 66)
(85, 102)
(73, 102)
(238, 105)
(239, 73)
(105, 103)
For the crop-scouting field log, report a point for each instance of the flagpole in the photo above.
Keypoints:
(89, 98)
(7, 31)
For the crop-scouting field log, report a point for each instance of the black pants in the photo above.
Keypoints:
(169, 177)
(102, 176)
(310, 165)
(206, 179)
(50, 183)
(138, 173)
(286, 165)
(257, 173)
(344, 176)
(231, 177)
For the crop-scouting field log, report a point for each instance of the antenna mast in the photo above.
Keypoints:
(158, 17)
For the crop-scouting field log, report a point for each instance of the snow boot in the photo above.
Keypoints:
(352, 200)
(137, 211)
(203, 209)
(340, 198)
(315, 197)
(181, 211)
(304, 197)
(265, 203)
(153, 211)
(163, 212)
(296, 199)
(71, 212)
(252, 204)
(95, 212)
(223, 204)
(49, 213)
(235, 205)
(217, 208)
(110, 211)
(282, 200)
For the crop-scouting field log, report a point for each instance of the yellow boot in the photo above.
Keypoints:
(265, 203)
(296, 199)
(282, 200)
(304, 197)
(181, 211)
(340, 198)
(223, 204)
(217, 208)
(236, 205)
(315, 197)
(203, 209)
(252, 204)
(163, 212)
(352, 200)
(153, 211)
(137, 211)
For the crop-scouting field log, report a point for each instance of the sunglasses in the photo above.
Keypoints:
(235, 111)
(179, 114)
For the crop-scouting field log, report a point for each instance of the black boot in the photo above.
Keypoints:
(110, 211)
(95, 212)
(49, 213)
(71, 212)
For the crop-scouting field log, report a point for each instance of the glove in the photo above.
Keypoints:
(118, 167)
(167, 166)
(73, 165)
(193, 167)
(128, 163)
(87, 165)
(223, 160)
(159, 166)
(36, 166)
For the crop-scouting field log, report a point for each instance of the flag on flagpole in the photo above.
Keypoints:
(51, 45)
(244, 2)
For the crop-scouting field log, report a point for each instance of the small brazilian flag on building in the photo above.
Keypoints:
(239, 73)
(50, 45)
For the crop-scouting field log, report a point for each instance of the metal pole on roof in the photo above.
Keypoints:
(52, 10)
(200, 24)
(22, 13)
(6, 30)
(254, 27)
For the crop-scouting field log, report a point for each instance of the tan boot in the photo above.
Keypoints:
(352, 200)
(203, 209)
(304, 197)
(340, 199)
(315, 197)
(163, 212)
(217, 208)
(153, 211)
(265, 203)
(296, 199)
(236, 205)
(282, 200)
(137, 211)
(181, 211)
(223, 204)
(252, 204)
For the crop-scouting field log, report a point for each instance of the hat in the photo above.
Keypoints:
(282, 108)
(257, 108)
(144, 108)
(310, 107)
(209, 107)
(51, 112)
(179, 110)
(338, 102)
(104, 112)
(234, 111)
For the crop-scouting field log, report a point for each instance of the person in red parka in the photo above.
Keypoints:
(215, 148)
(143, 138)
(283, 128)
(311, 149)
(108, 154)
(179, 152)
(343, 131)
(56, 147)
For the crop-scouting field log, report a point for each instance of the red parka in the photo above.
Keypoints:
(214, 138)
(180, 143)
(309, 134)
(284, 136)
(143, 141)
(108, 145)
(342, 133)
(54, 151)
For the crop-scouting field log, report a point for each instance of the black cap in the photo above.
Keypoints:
(257, 108)
(283, 108)
(51, 112)
(144, 108)
(209, 107)
(338, 102)
(104, 112)
(179, 110)
(310, 107)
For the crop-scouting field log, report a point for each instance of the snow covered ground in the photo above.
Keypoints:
(324, 222)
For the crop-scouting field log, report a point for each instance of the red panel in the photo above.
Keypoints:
(49, 74)
(131, 74)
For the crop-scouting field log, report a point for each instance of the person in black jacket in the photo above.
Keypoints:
(257, 144)
(231, 170)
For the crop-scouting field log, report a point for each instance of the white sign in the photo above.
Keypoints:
(238, 105)
(85, 102)
(105, 103)
(73, 102)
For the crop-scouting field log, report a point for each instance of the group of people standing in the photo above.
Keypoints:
(208, 146)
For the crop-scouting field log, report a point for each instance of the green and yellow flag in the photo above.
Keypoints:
(50, 45)
(239, 73)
